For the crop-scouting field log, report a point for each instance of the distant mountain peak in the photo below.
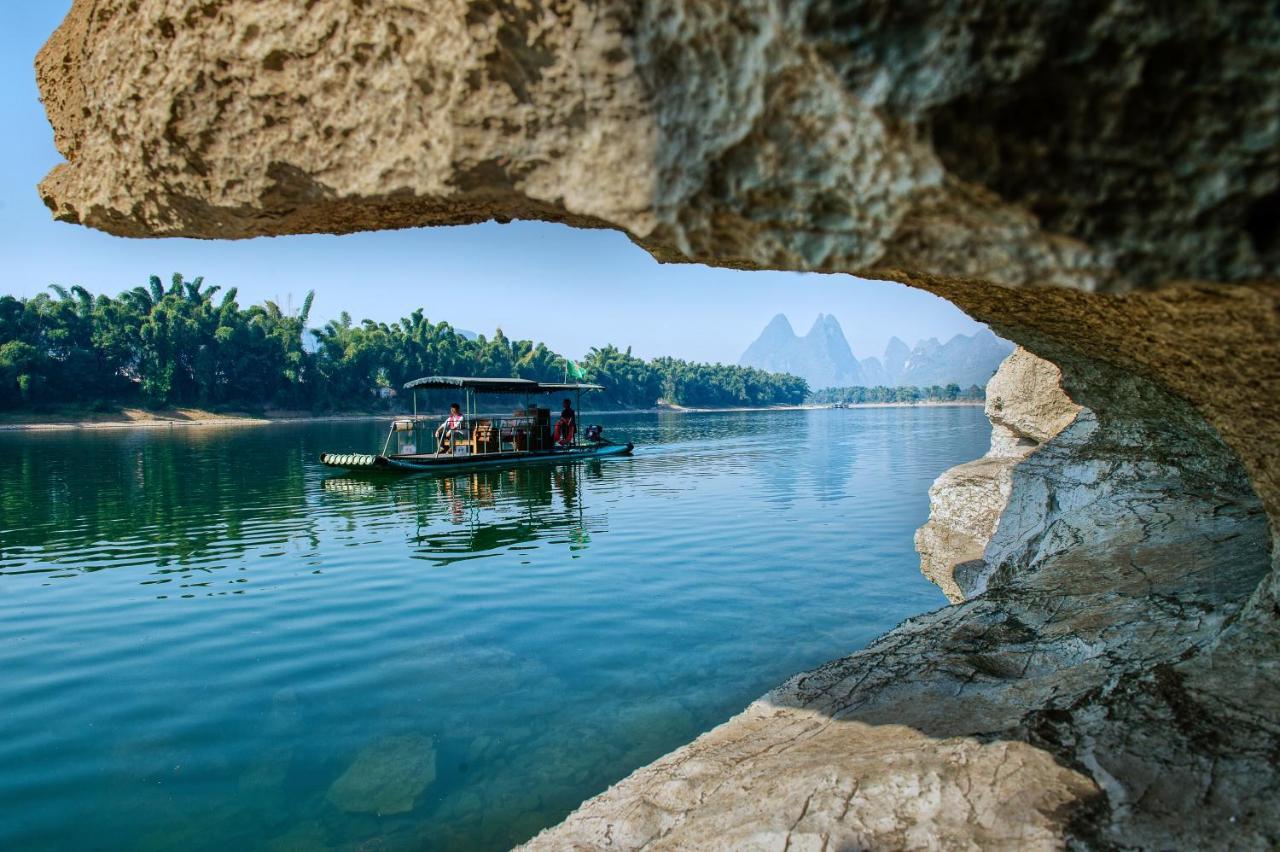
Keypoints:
(824, 359)
(780, 323)
(826, 324)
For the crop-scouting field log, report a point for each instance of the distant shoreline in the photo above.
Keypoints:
(680, 409)
(140, 418)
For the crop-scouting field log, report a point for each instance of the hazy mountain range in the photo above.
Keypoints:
(823, 357)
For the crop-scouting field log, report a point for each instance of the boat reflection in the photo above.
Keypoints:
(483, 513)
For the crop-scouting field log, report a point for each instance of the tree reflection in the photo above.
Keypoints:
(87, 502)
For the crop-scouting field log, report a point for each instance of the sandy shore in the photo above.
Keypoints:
(139, 418)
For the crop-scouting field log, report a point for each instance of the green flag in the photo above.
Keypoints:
(574, 371)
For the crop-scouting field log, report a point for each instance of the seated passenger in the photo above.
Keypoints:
(566, 426)
(448, 431)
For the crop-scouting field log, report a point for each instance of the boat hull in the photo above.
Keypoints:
(448, 464)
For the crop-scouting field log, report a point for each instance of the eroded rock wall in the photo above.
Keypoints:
(1026, 407)
(1091, 146)
(1100, 182)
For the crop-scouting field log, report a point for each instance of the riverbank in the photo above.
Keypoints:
(143, 418)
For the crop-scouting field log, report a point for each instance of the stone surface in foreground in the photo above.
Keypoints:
(799, 780)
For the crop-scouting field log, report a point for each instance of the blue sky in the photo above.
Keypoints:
(572, 289)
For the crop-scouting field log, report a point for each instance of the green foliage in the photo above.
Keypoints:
(179, 345)
(881, 394)
(629, 381)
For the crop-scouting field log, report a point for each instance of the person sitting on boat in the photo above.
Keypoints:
(566, 426)
(448, 431)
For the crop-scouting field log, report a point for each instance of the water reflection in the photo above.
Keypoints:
(203, 500)
(482, 513)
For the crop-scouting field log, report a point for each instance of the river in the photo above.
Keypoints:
(208, 640)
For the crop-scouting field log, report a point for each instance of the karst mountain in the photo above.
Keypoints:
(824, 359)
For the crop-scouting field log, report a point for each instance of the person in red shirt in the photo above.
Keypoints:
(566, 426)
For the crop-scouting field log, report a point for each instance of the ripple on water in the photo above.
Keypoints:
(201, 630)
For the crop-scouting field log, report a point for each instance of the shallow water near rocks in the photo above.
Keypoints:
(210, 641)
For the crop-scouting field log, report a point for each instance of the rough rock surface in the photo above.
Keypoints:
(804, 135)
(1099, 182)
(1026, 407)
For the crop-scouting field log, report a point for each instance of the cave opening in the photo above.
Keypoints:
(1094, 182)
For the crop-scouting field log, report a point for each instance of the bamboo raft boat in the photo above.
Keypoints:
(466, 441)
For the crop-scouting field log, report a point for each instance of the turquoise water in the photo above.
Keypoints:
(210, 641)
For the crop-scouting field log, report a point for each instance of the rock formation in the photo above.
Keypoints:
(1026, 407)
(387, 776)
(1098, 182)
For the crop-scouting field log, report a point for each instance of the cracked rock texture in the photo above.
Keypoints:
(1098, 181)
(1026, 407)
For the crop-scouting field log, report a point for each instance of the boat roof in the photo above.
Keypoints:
(480, 384)
(473, 383)
(564, 387)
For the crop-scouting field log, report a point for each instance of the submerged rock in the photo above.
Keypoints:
(387, 776)
(266, 775)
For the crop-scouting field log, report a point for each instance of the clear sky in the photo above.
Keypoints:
(571, 289)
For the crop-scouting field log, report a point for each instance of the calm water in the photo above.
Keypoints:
(208, 641)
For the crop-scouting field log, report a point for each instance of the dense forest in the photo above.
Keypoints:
(188, 344)
(933, 393)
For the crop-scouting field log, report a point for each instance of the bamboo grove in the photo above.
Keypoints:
(187, 344)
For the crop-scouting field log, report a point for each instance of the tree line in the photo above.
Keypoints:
(880, 393)
(188, 344)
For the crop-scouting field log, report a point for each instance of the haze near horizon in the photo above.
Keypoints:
(572, 289)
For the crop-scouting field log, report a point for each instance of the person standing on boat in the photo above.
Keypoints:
(450, 428)
(566, 426)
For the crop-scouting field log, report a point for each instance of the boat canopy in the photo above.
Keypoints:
(477, 384)
(564, 387)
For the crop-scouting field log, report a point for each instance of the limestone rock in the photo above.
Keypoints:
(387, 776)
(840, 785)
(1026, 406)
(1032, 146)
(805, 135)
(965, 504)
